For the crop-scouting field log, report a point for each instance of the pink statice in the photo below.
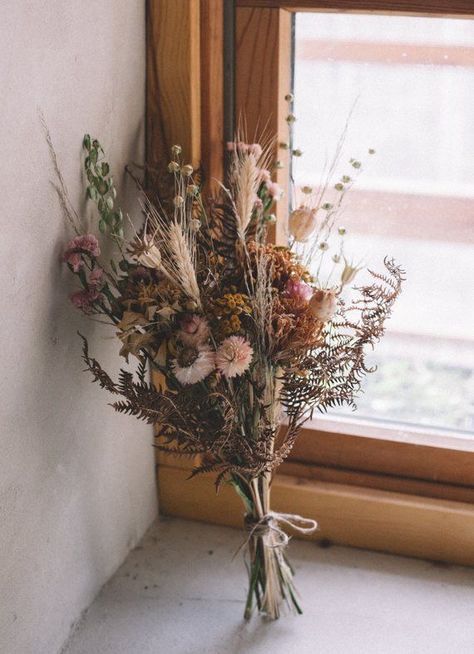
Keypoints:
(74, 259)
(233, 356)
(96, 278)
(84, 300)
(86, 243)
(193, 364)
(77, 247)
(298, 290)
(194, 329)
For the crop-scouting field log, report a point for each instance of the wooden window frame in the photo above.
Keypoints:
(392, 489)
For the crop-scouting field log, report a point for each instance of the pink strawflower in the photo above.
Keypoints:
(233, 356)
(193, 364)
(194, 329)
(299, 290)
(84, 300)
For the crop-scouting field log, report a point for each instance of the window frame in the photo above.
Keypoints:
(392, 489)
(332, 446)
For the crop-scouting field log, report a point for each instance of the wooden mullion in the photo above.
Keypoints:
(173, 95)
(212, 91)
(263, 78)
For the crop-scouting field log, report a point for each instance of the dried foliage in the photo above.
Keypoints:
(241, 331)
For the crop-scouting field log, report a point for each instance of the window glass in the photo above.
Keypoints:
(405, 88)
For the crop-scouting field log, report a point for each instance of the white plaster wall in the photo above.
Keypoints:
(76, 480)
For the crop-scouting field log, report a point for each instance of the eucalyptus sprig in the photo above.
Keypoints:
(101, 189)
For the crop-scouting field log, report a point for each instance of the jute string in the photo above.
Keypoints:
(272, 522)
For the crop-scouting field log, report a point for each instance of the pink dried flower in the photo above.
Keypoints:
(74, 259)
(194, 329)
(96, 278)
(87, 243)
(84, 300)
(274, 190)
(79, 245)
(193, 364)
(265, 177)
(255, 149)
(233, 356)
(299, 290)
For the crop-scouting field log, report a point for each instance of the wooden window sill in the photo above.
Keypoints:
(399, 523)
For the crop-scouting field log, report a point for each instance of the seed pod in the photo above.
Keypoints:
(302, 223)
(323, 304)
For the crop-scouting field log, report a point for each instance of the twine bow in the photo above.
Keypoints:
(271, 523)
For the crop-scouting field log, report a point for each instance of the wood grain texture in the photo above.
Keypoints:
(173, 95)
(263, 78)
(418, 7)
(362, 479)
(344, 451)
(380, 481)
(212, 91)
(389, 522)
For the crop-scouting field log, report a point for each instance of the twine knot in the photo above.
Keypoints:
(271, 523)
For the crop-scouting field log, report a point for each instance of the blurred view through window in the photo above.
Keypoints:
(412, 82)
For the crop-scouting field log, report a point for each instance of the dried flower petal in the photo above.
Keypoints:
(234, 355)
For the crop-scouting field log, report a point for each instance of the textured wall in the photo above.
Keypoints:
(76, 480)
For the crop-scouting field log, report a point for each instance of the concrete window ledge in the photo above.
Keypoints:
(181, 592)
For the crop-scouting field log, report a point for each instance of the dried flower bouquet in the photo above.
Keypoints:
(247, 337)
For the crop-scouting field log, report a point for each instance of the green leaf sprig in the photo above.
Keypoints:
(101, 189)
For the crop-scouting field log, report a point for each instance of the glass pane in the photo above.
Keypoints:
(408, 86)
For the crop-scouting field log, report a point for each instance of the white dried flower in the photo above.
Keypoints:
(173, 167)
(193, 364)
(178, 201)
(176, 150)
(187, 170)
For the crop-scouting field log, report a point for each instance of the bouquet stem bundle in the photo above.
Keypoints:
(270, 575)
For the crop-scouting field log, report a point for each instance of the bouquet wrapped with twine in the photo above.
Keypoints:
(248, 339)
